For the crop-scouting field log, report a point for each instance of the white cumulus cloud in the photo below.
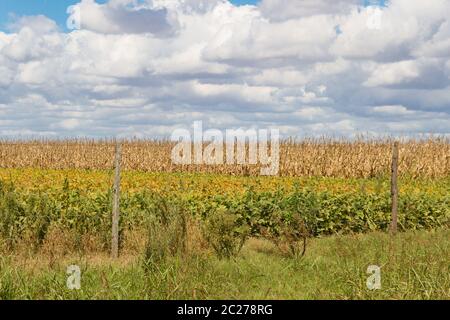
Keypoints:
(143, 68)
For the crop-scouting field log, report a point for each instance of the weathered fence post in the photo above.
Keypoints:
(116, 203)
(394, 187)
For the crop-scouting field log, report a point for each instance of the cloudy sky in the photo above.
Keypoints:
(145, 67)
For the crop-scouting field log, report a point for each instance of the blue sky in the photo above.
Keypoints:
(54, 9)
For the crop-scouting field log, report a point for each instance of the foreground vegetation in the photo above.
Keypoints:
(202, 236)
(414, 265)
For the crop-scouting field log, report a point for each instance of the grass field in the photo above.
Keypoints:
(414, 265)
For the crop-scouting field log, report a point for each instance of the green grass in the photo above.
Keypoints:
(414, 265)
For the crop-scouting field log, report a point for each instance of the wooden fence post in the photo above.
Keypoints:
(116, 203)
(394, 187)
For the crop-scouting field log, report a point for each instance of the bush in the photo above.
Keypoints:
(224, 233)
(290, 236)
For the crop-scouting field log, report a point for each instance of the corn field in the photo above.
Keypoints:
(362, 158)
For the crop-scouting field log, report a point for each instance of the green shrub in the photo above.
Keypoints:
(224, 233)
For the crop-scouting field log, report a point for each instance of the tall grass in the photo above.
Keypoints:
(414, 265)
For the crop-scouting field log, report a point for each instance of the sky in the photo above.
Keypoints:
(53, 9)
(146, 67)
